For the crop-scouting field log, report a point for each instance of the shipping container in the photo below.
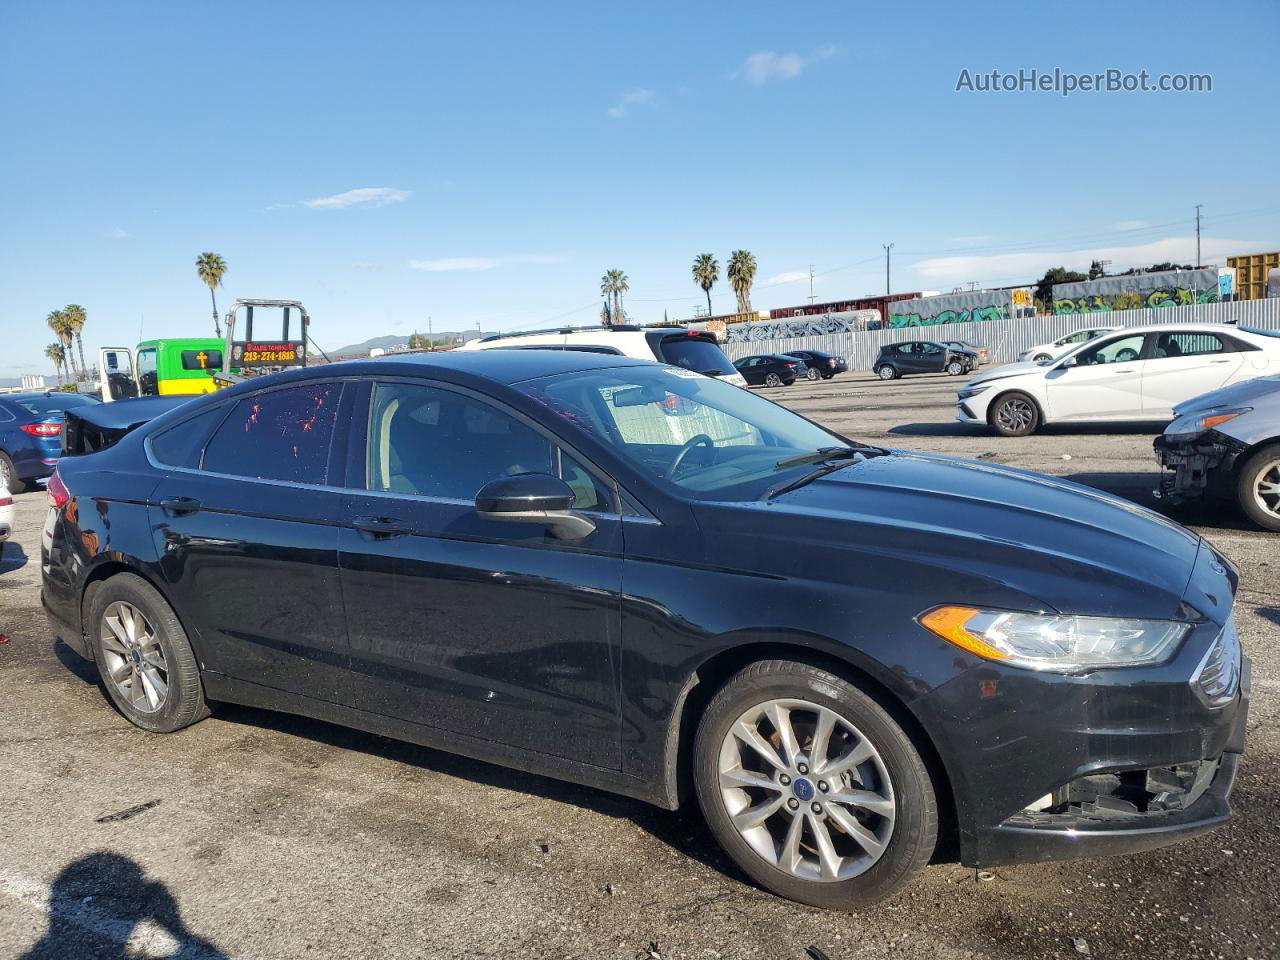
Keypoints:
(1252, 271)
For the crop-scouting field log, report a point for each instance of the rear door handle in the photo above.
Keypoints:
(178, 506)
(380, 526)
(1123, 373)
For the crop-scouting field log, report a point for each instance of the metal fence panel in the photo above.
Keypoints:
(1008, 338)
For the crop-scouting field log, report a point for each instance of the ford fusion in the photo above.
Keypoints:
(652, 582)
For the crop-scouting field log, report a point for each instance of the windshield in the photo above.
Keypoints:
(53, 404)
(708, 438)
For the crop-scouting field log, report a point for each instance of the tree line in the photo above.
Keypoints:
(741, 273)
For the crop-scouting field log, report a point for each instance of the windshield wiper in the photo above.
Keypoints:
(812, 475)
(818, 456)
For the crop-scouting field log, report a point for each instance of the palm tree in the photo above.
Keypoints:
(614, 284)
(60, 324)
(606, 315)
(210, 268)
(55, 353)
(77, 316)
(741, 273)
(705, 274)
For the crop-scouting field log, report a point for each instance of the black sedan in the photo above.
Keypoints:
(923, 356)
(584, 566)
(770, 369)
(819, 364)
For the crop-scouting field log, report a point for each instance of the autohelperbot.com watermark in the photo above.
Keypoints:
(1065, 82)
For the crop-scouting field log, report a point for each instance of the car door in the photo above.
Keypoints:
(115, 368)
(1105, 383)
(492, 631)
(906, 359)
(1184, 364)
(245, 524)
(932, 357)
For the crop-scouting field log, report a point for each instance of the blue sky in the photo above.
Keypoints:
(505, 155)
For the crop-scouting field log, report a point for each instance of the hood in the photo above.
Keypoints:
(966, 531)
(1235, 395)
(1007, 370)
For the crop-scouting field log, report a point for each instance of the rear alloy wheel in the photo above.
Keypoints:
(1015, 415)
(1258, 487)
(812, 374)
(955, 368)
(887, 372)
(773, 380)
(144, 658)
(812, 787)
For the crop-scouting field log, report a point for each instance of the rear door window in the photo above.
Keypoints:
(1187, 345)
(278, 435)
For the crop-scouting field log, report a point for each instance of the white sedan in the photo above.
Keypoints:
(6, 513)
(1134, 374)
(1044, 352)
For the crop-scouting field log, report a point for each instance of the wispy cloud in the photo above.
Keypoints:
(971, 238)
(632, 98)
(790, 276)
(768, 65)
(454, 264)
(1013, 267)
(1129, 225)
(119, 233)
(362, 196)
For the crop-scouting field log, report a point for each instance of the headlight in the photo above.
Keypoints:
(966, 392)
(1057, 643)
(1194, 424)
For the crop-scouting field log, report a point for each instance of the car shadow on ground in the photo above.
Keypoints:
(101, 902)
(681, 829)
(12, 557)
(956, 429)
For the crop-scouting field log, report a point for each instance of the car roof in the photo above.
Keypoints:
(499, 366)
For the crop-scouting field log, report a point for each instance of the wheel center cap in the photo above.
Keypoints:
(803, 789)
(135, 656)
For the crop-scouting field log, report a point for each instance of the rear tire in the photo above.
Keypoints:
(773, 380)
(1258, 487)
(144, 658)
(812, 374)
(1015, 415)
(846, 853)
(9, 475)
(887, 372)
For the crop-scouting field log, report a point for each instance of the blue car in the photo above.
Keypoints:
(31, 434)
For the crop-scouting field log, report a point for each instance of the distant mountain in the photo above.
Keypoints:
(399, 340)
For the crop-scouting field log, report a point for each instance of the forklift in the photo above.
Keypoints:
(197, 365)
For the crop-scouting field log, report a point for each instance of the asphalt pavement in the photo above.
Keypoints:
(254, 834)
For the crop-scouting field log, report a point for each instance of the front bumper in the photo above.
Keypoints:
(1198, 467)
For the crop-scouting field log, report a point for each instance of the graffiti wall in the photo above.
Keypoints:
(1171, 288)
(973, 305)
(852, 321)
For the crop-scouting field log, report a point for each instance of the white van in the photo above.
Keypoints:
(696, 350)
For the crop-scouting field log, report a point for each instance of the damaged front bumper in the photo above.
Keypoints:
(1198, 467)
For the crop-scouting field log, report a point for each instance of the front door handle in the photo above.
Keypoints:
(1228, 360)
(179, 506)
(380, 526)
(1123, 373)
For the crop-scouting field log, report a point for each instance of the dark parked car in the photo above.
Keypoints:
(983, 354)
(770, 369)
(922, 356)
(820, 364)
(31, 434)
(584, 566)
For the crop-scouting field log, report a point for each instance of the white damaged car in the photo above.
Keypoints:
(1044, 352)
(1134, 374)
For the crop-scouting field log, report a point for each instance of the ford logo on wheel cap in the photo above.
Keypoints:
(803, 789)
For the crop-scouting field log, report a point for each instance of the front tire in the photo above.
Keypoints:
(812, 787)
(144, 658)
(955, 368)
(773, 380)
(1258, 487)
(1015, 415)
(887, 372)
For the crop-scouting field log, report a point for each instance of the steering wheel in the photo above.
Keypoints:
(698, 440)
(1125, 355)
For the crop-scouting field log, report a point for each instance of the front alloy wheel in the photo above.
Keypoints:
(1015, 415)
(1258, 487)
(955, 368)
(812, 787)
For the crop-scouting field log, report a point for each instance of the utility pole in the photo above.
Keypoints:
(1198, 206)
(811, 296)
(429, 330)
(973, 284)
(887, 248)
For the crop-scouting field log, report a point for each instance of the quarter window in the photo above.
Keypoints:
(278, 435)
(181, 444)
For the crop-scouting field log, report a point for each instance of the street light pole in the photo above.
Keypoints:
(887, 248)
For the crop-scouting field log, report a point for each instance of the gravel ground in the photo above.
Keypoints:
(258, 835)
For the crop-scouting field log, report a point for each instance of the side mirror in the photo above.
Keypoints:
(1069, 362)
(533, 498)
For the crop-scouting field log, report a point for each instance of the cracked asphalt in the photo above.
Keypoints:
(254, 834)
